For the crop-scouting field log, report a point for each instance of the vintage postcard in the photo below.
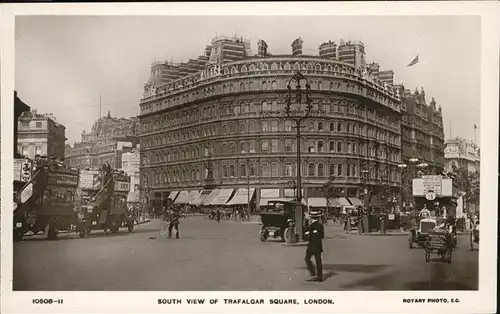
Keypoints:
(251, 157)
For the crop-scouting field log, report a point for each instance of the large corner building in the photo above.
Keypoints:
(218, 122)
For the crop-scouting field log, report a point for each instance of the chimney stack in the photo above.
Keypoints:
(297, 47)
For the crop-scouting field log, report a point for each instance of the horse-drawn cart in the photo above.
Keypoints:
(439, 242)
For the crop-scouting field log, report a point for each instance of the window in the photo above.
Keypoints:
(274, 85)
(310, 146)
(265, 126)
(243, 170)
(264, 146)
(224, 148)
(311, 126)
(320, 146)
(288, 170)
(274, 106)
(274, 126)
(348, 170)
(242, 127)
(252, 170)
(332, 147)
(251, 146)
(39, 124)
(349, 148)
(232, 128)
(265, 170)
(265, 106)
(251, 127)
(339, 169)
(38, 150)
(243, 147)
(232, 148)
(274, 170)
(245, 108)
(321, 170)
(231, 171)
(236, 109)
(288, 145)
(320, 126)
(274, 146)
(332, 169)
(224, 171)
(25, 123)
(339, 147)
(311, 170)
(264, 85)
(288, 126)
(252, 107)
(242, 87)
(348, 128)
(339, 127)
(224, 130)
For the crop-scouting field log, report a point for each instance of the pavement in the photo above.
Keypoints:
(229, 256)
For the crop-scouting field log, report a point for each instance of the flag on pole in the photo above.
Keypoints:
(415, 61)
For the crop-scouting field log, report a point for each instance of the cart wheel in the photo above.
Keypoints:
(263, 235)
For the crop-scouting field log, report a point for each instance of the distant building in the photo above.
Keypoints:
(328, 50)
(130, 165)
(105, 142)
(40, 134)
(461, 153)
(386, 77)
(19, 108)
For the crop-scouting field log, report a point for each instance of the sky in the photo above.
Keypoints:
(65, 63)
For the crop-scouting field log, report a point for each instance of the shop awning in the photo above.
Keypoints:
(182, 198)
(205, 197)
(241, 197)
(193, 195)
(222, 197)
(339, 201)
(355, 201)
(264, 201)
(173, 195)
(316, 202)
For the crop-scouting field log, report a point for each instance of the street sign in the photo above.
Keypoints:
(430, 196)
(432, 183)
(26, 193)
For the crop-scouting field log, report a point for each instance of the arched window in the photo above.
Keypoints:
(234, 70)
(265, 106)
(224, 129)
(339, 169)
(339, 127)
(287, 66)
(224, 89)
(332, 169)
(274, 66)
(349, 148)
(232, 171)
(311, 170)
(243, 170)
(244, 68)
(265, 126)
(224, 149)
(224, 171)
(242, 127)
(264, 85)
(320, 126)
(320, 85)
(318, 67)
(332, 146)
(321, 170)
(332, 126)
(250, 86)
(274, 170)
(339, 147)
(242, 87)
(252, 68)
(288, 170)
(274, 85)
(320, 146)
(245, 108)
(251, 127)
(296, 66)
(265, 170)
(311, 126)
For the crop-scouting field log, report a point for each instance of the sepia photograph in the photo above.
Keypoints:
(205, 153)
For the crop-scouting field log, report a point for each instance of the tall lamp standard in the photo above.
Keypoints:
(248, 186)
(303, 111)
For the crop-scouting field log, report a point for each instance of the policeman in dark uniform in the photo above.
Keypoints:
(315, 234)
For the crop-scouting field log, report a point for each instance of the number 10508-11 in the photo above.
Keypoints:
(48, 301)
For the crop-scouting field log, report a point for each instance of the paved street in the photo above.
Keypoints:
(229, 256)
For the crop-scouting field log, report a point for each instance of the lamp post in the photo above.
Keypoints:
(248, 186)
(302, 112)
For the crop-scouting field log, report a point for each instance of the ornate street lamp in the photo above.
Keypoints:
(302, 110)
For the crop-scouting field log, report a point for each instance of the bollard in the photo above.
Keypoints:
(382, 225)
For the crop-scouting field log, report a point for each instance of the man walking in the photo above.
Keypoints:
(173, 219)
(315, 234)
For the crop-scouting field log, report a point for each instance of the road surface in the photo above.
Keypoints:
(229, 256)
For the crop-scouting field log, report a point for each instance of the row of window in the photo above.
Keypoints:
(191, 115)
(274, 170)
(273, 146)
(271, 126)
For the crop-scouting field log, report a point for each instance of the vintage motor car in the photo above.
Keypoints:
(276, 217)
(419, 237)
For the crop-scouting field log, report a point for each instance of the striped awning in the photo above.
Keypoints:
(222, 197)
(182, 198)
(173, 195)
(316, 202)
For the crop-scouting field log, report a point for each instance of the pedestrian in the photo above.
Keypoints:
(173, 219)
(315, 234)
(218, 214)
